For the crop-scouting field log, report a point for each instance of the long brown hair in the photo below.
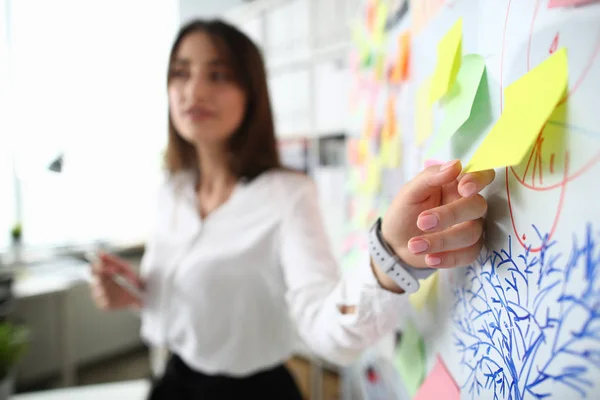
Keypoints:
(253, 147)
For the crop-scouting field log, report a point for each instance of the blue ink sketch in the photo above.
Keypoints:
(528, 325)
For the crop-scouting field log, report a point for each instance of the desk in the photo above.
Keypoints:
(130, 390)
(55, 277)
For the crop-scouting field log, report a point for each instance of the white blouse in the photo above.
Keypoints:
(231, 293)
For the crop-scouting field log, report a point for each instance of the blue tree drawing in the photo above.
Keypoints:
(526, 326)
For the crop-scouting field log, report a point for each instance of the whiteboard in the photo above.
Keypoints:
(523, 322)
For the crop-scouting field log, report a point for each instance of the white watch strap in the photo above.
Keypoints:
(405, 276)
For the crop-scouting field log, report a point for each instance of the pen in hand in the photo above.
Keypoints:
(119, 273)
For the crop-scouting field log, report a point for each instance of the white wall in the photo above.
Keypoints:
(189, 9)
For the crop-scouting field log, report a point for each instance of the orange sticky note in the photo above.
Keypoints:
(439, 384)
(369, 123)
(389, 126)
(400, 69)
(371, 15)
(352, 151)
(449, 57)
(528, 103)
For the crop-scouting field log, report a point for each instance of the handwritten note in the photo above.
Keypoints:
(424, 123)
(438, 384)
(449, 53)
(427, 293)
(409, 359)
(529, 102)
(569, 3)
(401, 67)
(460, 102)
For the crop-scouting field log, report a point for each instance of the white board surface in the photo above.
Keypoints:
(523, 322)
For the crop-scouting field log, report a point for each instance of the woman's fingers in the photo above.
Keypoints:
(458, 258)
(116, 265)
(457, 237)
(473, 183)
(459, 211)
(432, 178)
(99, 294)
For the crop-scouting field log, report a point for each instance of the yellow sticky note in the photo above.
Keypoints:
(359, 37)
(391, 152)
(372, 184)
(424, 123)
(427, 293)
(449, 53)
(379, 28)
(528, 104)
(363, 151)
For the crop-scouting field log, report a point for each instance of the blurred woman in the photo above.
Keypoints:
(239, 264)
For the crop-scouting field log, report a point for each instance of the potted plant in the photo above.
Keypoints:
(14, 340)
(16, 233)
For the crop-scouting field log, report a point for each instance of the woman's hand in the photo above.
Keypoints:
(107, 294)
(436, 220)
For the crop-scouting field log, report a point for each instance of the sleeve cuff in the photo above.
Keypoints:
(375, 305)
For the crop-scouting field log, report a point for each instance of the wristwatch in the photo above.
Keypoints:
(404, 275)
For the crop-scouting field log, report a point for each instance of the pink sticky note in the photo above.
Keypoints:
(569, 3)
(439, 384)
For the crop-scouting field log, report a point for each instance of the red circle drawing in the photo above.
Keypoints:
(535, 154)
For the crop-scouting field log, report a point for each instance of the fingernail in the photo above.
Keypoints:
(427, 222)
(448, 165)
(468, 189)
(433, 260)
(418, 246)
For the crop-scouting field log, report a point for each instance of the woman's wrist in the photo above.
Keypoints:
(384, 280)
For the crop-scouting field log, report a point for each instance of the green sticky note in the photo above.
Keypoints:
(528, 103)
(449, 53)
(457, 109)
(410, 359)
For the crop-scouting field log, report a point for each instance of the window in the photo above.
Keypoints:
(6, 176)
(88, 81)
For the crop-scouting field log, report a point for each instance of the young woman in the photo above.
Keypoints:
(239, 263)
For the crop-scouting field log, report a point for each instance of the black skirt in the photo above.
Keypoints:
(180, 382)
